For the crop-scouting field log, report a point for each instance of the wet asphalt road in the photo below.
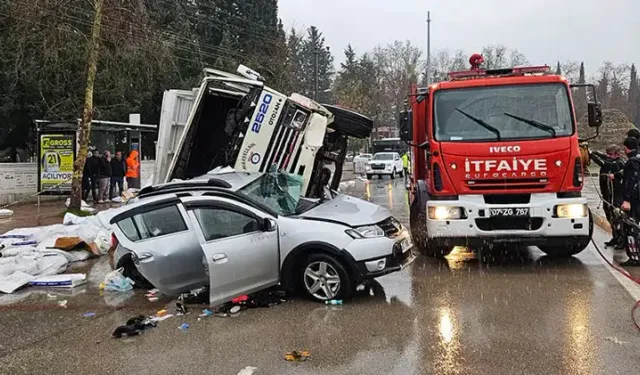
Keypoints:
(503, 312)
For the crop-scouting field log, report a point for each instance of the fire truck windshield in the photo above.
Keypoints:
(507, 112)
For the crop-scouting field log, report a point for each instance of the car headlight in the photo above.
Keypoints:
(571, 211)
(444, 213)
(367, 231)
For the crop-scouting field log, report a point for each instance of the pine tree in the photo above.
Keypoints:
(558, 69)
(617, 98)
(580, 95)
(314, 46)
(602, 89)
(634, 96)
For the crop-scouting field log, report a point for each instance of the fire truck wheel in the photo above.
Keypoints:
(564, 251)
(417, 220)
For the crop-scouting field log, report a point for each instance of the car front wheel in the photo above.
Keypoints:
(324, 278)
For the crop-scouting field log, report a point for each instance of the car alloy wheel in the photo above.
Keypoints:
(322, 280)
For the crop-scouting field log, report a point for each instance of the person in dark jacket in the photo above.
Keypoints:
(631, 200)
(104, 174)
(611, 178)
(93, 162)
(86, 177)
(118, 169)
(634, 133)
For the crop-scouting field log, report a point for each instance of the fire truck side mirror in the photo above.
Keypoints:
(405, 126)
(594, 111)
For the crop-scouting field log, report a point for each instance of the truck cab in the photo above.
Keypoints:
(496, 159)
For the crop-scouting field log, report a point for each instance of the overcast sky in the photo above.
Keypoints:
(544, 30)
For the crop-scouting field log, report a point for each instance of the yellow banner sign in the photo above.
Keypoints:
(56, 162)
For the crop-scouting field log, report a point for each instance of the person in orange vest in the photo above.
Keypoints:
(133, 170)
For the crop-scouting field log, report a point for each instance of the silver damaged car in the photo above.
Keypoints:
(239, 233)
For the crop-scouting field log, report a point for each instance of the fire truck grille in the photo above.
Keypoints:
(509, 223)
(508, 184)
(283, 150)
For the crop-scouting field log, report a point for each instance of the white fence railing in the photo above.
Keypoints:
(18, 180)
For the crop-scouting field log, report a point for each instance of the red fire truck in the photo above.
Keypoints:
(496, 160)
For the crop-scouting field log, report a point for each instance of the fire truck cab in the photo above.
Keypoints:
(496, 159)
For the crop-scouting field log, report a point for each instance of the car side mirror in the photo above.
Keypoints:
(594, 112)
(406, 130)
(269, 225)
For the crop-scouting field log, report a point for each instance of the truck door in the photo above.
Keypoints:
(176, 106)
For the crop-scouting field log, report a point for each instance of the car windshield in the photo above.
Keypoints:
(383, 157)
(278, 191)
(502, 113)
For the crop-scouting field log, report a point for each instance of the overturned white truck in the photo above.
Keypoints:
(235, 120)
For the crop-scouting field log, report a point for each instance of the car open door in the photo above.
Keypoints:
(240, 246)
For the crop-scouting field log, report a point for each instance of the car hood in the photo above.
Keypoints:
(349, 211)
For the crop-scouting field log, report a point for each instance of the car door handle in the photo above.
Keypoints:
(219, 258)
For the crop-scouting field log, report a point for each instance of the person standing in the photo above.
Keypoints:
(86, 177)
(611, 178)
(94, 162)
(104, 174)
(133, 170)
(631, 200)
(118, 168)
(405, 165)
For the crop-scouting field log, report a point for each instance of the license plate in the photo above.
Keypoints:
(509, 211)
(406, 244)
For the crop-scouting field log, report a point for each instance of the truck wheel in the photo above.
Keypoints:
(350, 123)
(569, 250)
(417, 223)
(564, 251)
(393, 174)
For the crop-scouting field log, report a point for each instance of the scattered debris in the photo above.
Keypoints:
(5, 212)
(115, 281)
(247, 370)
(615, 340)
(152, 295)
(235, 309)
(69, 280)
(333, 302)
(161, 318)
(262, 299)
(181, 309)
(89, 314)
(51, 296)
(134, 327)
(161, 313)
(184, 326)
(63, 303)
(153, 299)
(297, 356)
(240, 299)
(206, 312)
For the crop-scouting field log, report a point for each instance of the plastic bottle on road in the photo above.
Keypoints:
(333, 302)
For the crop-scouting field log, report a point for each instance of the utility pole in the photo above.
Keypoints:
(84, 128)
(428, 48)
